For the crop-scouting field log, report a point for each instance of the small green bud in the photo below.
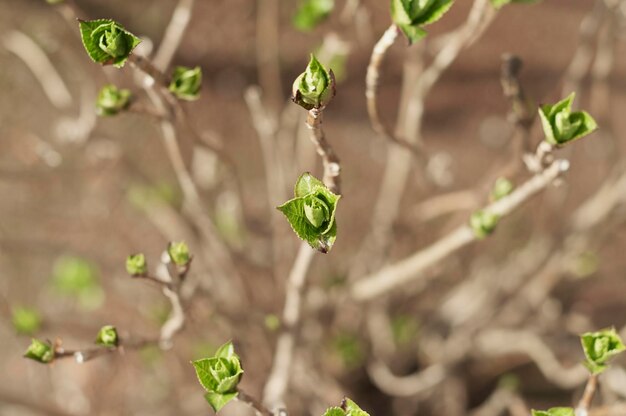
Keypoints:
(483, 223)
(136, 265)
(26, 321)
(599, 347)
(112, 100)
(107, 42)
(555, 411)
(315, 87)
(561, 125)
(311, 213)
(411, 15)
(107, 336)
(186, 83)
(40, 351)
(219, 375)
(501, 188)
(179, 253)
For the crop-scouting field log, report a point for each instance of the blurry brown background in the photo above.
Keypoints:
(71, 184)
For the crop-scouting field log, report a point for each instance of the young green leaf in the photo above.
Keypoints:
(107, 42)
(186, 83)
(411, 15)
(561, 125)
(500, 3)
(483, 223)
(107, 336)
(112, 100)
(599, 347)
(40, 351)
(348, 408)
(312, 212)
(555, 411)
(315, 87)
(26, 321)
(136, 265)
(311, 13)
(501, 188)
(220, 375)
(179, 253)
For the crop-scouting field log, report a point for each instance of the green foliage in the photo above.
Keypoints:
(272, 322)
(179, 253)
(40, 351)
(219, 375)
(107, 336)
(136, 265)
(112, 100)
(348, 408)
(599, 347)
(483, 223)
(186, 83)
(107, 42)
(77, 277)
(143, 196)
(312, 212)
(26, 321)
(499, 3)
(561, 125)
(315, 87)
(411, 15)
(501, 188)
(311, 13)
(555, 411)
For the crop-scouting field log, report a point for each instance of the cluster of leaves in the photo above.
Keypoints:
(220, 375)
(561, 125)
(107, 42)
(599, 347)
(483, 223)
(411, 15)
(315, 87)
(347, 408)
(186, 83)
(311, 212)
(107, 336)
(111, 100)
(311, 13)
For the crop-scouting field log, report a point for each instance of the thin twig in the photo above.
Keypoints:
(582, 409)
(413, 268)
(278, 380)
(258, 407)
(330, 161)
(173, 34)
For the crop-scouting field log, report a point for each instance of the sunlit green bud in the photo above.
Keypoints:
(107, 42)
(40, 351)
(501, 188)
(316, 211)
(561, 125)
(483, 223)
(315, 87)
(107, 336)
(179, 253)
(599, 347)
(112, 100)
(186, 83)
(136, 265)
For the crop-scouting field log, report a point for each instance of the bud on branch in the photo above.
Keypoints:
(411, 15)
(107, 42)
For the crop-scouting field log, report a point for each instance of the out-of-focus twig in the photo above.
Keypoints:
(173, 34)
(582, 408)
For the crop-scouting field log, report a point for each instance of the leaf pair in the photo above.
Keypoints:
(312, 212)
(411, 15)
(561, 125)
(220, 375)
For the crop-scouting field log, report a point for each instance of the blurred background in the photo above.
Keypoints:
(490, 330)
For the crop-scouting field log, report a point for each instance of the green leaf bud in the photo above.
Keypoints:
(311, 213)
(311, 13)
(179, 253)
(555, 411)
(136, 265)
(107, 336)
(599, 347)
(219, 375)
(561, 125)
(186, 83)
(107, 42)
(25, 321)
(40, 351)
(483, 223)
(411, 15)
(501, 188)
(348, 408)
(112, 100)
(315, 87)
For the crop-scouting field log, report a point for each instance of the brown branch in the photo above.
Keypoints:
(258, 407)
(582, 409)
(330, 161)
